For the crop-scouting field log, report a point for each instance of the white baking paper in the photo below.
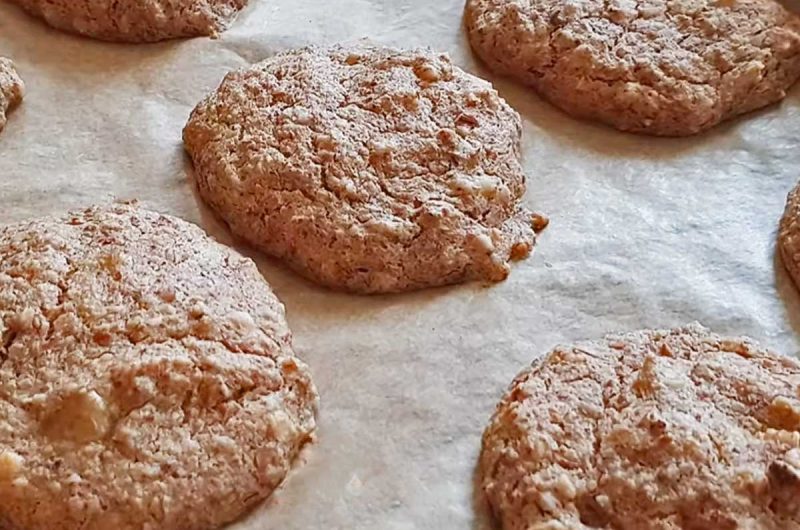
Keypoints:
(645, 232)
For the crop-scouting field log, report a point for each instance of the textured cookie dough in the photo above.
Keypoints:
(677, 429)
(147, 379)
(12, 89)
(789, 235)
(366, 169)
(136, 20)
(662, 67)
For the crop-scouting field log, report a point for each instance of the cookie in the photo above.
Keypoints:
(789, 235)
(147, 379)
(366, 169)
(136, 20)
(657, 67)
(12, 89)
(675, 429)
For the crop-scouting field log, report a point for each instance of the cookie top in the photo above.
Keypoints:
(677, 429)
(147, 379)
(659, 67)
(136, 20)
(789, 235)
(12, 89)
(366, 169)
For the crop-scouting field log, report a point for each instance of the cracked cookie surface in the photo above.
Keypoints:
(147, 378)
(662, 67)
(12, 89)
(366, 169)
(673, 429)
(136, 20)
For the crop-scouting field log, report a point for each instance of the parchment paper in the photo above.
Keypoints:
(645, 232)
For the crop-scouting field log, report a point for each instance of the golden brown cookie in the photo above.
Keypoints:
(366, 169)
(136, 20)
(147, 378)
(659, 67)
(652, 430)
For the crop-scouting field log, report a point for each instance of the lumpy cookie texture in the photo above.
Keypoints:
(136, 20)
(662, 67)
(653, 430)
(12, 89)
(147, 378)
(789, 235)
(366, 169)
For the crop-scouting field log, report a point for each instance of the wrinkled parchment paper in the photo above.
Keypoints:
(645, 232)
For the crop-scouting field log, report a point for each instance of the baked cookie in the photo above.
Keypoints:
(136, 20)
(670, 68)
(12, 89)
(789, 235)
(366, 169)
(676, 429)
(147, 379)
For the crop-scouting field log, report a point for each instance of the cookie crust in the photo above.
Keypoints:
(12, 89)
(147, 379)
(670, 68)
(789, 235)
(136, 21)
(366, 169)
(670, 429)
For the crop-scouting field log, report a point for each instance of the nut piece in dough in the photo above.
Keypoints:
(651, 430)
(12, 89)
(366, 169)
(136, 21)
(147, 378)
(660, 67)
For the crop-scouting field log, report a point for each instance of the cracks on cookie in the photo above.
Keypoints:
(63, 362)
(738, 29)
(375, 200)
(626, 458)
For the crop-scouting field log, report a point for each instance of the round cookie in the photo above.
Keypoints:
(659, 67)
(366, 169)
(675, 429)
(147, 379)
(789, 235)
(136, 20)
(12, 89)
